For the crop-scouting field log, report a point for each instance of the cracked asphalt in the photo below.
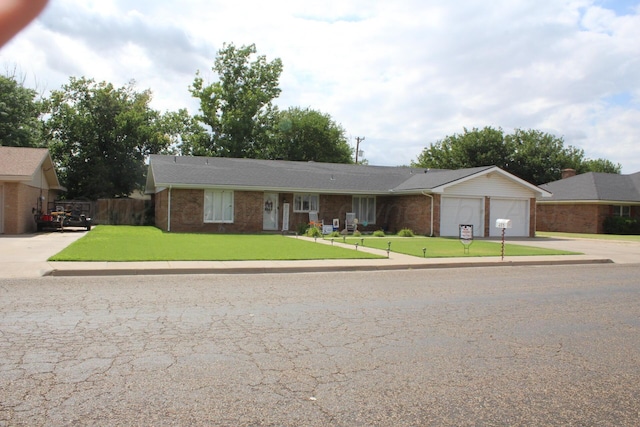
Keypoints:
(510, 346)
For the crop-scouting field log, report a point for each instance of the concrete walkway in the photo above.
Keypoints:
(26, 256)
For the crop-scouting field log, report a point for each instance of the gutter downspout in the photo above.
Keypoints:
(169, 211)
(431, 197)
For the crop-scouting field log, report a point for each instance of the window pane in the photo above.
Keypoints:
(305, 202)
(218, 206)
(208, 206)
(364, 209)
(227, 208)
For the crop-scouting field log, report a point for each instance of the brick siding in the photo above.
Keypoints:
(578, 218)
(20, 201)
(393, 213)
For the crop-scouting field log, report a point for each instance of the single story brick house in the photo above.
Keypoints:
(581, 203)
(28, 181)
(228, 195)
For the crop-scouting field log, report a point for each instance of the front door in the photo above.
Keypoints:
(270, 211)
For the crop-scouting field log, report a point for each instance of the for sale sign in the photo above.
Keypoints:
(466, 233)
(466, 236)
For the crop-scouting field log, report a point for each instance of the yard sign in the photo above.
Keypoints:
(466, 236)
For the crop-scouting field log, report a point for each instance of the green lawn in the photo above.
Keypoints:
(439, 247)
(630, 238)
(127, 243)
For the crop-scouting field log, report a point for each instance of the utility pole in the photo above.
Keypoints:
(358, 141)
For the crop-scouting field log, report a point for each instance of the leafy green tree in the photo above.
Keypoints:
(308, 135)
(237, 109)
(601, 165)
(539, 157)
(20, 124)
(100, 136)
(188, 137)
(532, 155)
(476, 147)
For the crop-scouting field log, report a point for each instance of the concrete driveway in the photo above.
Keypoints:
(619, 251)
(26, 255)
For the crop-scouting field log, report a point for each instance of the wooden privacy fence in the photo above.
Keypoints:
(123, 212)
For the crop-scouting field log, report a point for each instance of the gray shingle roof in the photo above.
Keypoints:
(593, 186)
(278, 175)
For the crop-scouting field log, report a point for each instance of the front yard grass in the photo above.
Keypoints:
(441, 247)
(135, 243)
(129, 243)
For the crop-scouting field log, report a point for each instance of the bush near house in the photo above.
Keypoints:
(405, 232)
(621, 225)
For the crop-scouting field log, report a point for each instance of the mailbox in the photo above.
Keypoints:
(503, 223)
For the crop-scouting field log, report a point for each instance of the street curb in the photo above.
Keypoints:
(309, 269)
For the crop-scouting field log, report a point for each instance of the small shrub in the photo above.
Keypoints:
(335, 234)
(314, 232)
(302, 229)
(405, 232)
(378, 233)
(621, 225)
(357, 233)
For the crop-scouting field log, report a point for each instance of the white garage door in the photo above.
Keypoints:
(461, 210)
(515, 210)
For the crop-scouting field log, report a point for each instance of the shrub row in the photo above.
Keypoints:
(621, 225)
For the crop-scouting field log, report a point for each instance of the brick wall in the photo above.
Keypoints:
(393, 213)
(187, 212)
(413, 212)
(331, 206)
(19, 202)
(578, 218)
(160, 209)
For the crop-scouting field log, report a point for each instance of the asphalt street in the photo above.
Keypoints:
(545, 345)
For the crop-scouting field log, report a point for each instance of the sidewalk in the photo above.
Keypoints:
(26, 256)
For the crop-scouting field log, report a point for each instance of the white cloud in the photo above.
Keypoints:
(402, 74)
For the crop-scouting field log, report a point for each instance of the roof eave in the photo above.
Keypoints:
(160, 186)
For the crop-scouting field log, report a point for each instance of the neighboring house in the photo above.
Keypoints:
(28, 181)
(581, 203)
(202, 194)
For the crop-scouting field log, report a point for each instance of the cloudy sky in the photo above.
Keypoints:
(403, 73)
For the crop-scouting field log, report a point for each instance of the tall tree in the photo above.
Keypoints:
(476, 147)
(238, 108)
(601, 165)
(532, 155)
(100, 137)
(309, 135)
(539, 157)
(188, 137)
(20, 124)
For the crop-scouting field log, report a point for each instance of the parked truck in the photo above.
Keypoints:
(61, 214)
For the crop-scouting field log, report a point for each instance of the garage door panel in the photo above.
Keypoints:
(461, 210)
(517, 210)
